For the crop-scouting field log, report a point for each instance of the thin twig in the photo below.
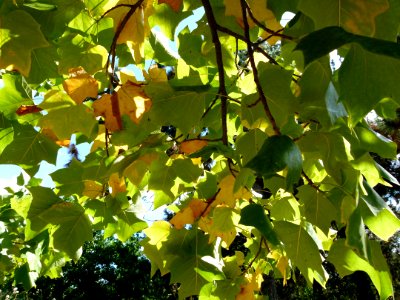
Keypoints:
(310, 182)
(255, 71)
(118, 31)
(273, 33)
(255, 257)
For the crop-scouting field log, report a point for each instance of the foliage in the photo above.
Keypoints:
(285, 124)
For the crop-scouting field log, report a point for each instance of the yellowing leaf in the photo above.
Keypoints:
(80, 85)
(51, 135)
(155, 74)
(260, 12)
(222, 224)
(129, 100)
(92, 189)
(227, 196)
(117, 184)
(253, 284)
(189, 214)
(175, 4)
(136, 30)
(189, 147)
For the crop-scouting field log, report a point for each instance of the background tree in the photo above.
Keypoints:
(288, 125)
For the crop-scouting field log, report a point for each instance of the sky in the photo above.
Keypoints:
(9, 173)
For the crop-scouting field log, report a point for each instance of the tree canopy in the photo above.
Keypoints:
(234, 138)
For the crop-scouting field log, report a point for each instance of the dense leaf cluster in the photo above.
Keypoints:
(231, 116)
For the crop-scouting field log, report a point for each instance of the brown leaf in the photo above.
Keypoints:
(27, 109)
(80, 85)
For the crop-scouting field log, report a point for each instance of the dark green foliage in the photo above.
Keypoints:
(108, 269)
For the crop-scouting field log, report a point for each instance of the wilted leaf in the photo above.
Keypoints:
(27, 109)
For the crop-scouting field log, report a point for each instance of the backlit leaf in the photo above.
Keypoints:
(26, 36)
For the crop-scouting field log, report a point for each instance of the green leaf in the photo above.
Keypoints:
(345, 13)
(42, 200)
(376, 143)
(254, 215)
(186, 170)
(69, 180)
(280, 98)
(377, 215)
(64, 122)
(167, 19)
(44, 65)
(25, 35)
(249, 143)
(72, 229)
(277, 153)
(317, 208)
(180, 109)
(356, 91)
(38, 5)
(29, 147)
(346, 261)
(318, 98)
(322, 42)
(13, 94)
(356, 237)
(75, 51)
(302, 250)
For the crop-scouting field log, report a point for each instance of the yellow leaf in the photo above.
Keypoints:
(80, 85)
(189, 147)
(175, 4)
(117, 184)
(129, 100)
(158, 232)
(136, 30)
(92, 189)
(189, 214)
(282, 265)
(227, 196)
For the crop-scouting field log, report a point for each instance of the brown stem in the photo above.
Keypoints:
(221, 75)
(254, 68)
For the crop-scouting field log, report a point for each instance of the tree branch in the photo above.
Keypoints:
(250, 51)
(223, 95)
